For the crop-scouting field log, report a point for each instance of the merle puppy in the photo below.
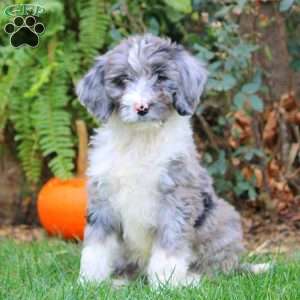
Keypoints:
(151, 204)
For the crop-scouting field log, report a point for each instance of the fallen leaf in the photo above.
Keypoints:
(259, 177)
(293, 117)
(242, 119)
(288, 102)
(270, 130)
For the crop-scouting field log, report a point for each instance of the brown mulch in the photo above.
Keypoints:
(22, 233)
(261, 233)
(266, 234)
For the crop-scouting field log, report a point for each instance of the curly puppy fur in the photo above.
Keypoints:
(152, 207)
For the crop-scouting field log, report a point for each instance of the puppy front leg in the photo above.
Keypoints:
(101, 247)
(98, 259)
(171, 254)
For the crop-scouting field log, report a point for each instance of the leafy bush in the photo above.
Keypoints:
(37, 85)
(38, 97)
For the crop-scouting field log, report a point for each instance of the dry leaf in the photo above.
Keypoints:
(235, 161)
(293, 154)
(293, 117)
(259, 177)
(274, 168)
(242, 119)
(288, 102)
(233, 143)
(247, 172)
(270, 130)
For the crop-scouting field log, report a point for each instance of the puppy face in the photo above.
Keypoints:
(143, 79)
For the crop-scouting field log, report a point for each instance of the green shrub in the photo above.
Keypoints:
(38, 102)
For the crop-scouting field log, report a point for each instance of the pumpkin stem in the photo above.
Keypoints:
(82, 148)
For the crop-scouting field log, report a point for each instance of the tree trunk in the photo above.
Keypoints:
(266, 26)
(10, 187)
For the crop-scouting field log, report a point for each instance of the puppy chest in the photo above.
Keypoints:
(135, 199)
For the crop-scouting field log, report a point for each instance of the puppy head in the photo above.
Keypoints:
(143, 79)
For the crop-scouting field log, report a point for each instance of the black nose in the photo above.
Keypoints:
(142, 110)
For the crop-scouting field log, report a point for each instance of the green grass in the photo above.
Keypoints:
(48, 270)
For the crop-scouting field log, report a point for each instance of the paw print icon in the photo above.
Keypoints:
(24, 31)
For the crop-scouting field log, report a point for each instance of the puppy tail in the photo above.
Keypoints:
(256, 268)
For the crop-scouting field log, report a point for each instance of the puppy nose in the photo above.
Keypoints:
(141, 109)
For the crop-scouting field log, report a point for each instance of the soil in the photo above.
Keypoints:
(262, 234)
(266, 234)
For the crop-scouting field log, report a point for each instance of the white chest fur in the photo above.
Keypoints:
(133, 179)
(130, 161)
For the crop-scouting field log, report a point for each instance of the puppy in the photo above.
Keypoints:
(152, 207)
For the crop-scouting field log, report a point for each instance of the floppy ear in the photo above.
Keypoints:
(91, 91)
(193, 77)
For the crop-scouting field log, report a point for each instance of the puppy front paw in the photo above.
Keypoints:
(170, 270)
(91, 277)
(94, 267)
(175, 279)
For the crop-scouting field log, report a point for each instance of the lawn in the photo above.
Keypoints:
(48, 269)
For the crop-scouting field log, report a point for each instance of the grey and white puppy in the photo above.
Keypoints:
(152, 206)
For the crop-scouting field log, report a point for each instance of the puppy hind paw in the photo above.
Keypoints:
(119, 282)
(174, 281)
(257, 268)
(192, 280)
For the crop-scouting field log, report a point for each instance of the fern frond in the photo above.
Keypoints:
(53, 124)
(10, 72)
(43, 77)
(53, 17)
(27, 139)
(93, 27)
(6, 83)
(20, 113)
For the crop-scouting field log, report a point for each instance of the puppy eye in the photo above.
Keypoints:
(161, 78)
(122, 80)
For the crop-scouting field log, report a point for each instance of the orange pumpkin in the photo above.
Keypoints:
(62, 207)
(61, 203)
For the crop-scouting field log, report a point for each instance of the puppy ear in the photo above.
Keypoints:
(91, 91)
(193, 77)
